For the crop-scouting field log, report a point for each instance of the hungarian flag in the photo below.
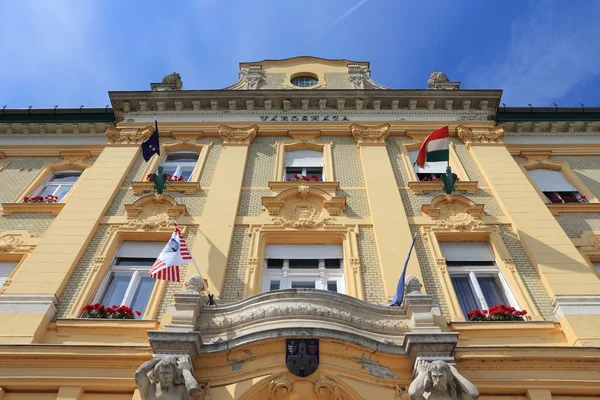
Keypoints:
(434, 148)
(175, 253)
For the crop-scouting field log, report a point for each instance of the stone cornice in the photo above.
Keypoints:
(62, 129)
(305, 100)
(533, 128)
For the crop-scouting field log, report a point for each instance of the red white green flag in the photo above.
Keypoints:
(434, 148)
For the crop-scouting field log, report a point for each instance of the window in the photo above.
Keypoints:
(431, 171)
(477, 282)
(127, 282)
(180, 163)
(555, 186)
(58, 184)
(596, 265)
(304, 81)
(304, 165)
(6, 268)
(304, 266)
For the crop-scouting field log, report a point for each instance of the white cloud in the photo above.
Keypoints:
(551, 51)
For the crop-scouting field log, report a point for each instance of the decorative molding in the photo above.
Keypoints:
(153, 211)
(301, 200)
(128, 135)
(367, 135)
(237, 136)
(420, 187)
(454, 211)
(575, 304)
(559, 208)
(52, 208)
(139, 187)
(481, 136)
(329, 187)
(303, 216)
(16, 242)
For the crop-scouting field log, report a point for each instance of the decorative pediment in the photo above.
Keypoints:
(303, 206)
(16, 242)
(128, 135)
(454, 211)
(484, 135)
(370, 135)
(237, 136)
(153, 211)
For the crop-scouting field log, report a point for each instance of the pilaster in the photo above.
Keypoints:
(390, 223)
(70, 393)
(28, 304)
(563, 270)
(211, 247)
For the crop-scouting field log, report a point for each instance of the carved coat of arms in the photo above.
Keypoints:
(302, 356)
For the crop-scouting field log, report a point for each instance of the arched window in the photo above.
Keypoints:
(304, 165)
(304, 266)
(555, 186)
(180, 163)
(58, 183)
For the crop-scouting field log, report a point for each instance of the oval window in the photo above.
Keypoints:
(304, 81)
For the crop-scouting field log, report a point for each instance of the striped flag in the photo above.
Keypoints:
(399, 296)
(434, 148)
(175, 253)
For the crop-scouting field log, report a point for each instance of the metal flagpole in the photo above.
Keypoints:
(193, 259)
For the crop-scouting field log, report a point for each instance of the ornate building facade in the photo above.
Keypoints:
(297, 193)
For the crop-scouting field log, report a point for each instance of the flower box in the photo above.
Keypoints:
(39, 199)
(112, 312)
(499, 312)
(304, 178)
(420, 187)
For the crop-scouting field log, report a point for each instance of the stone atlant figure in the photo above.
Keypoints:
(166, 378)
(438, 380)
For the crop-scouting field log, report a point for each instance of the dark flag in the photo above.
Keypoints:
(151, 146)
(399, 296)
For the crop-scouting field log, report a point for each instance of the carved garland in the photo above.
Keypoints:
(370, 135)
(128, 135)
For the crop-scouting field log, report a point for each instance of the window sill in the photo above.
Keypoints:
(420, 187)
(52, 208)
(329, 187)
(86, 326)
(185, 187)
(504, 325)
(557, 208)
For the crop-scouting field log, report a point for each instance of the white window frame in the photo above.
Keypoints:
(48, 182)
(320, 276)
(484, 271)
(304, 168)
(179, 165)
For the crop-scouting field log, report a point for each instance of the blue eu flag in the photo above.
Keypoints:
(151, 146)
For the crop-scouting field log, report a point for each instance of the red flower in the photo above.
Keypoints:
(180, 178)
(87, 308)
(138, 313)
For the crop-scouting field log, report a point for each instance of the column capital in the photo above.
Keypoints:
(370, 135)
(238, 136)
(128, 136)
(481, 136)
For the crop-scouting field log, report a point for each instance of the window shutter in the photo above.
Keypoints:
(467, 251)
(304, 251)
(304, 158)
(140, 249)
(6, 268)
(438, 167)
(551, 181)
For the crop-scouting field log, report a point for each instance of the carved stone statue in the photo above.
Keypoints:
(166, 378)
(438, 380)
(436, 77)
(173, 78)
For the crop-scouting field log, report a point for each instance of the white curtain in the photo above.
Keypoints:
(551, 181)
(304, 251)
(467, 251)
(304, 158)
(140, 249)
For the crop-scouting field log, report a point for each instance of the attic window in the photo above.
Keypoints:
(304, 81)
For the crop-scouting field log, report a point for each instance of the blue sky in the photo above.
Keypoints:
(72, 52)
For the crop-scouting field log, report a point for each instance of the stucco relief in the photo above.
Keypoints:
(16, 242)
(370, 134)
(239, 136)
(128, 136)
(303, 207)
(153, 211)
(454, 211)
(488, 135)
(286, 387)
(438, 380)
